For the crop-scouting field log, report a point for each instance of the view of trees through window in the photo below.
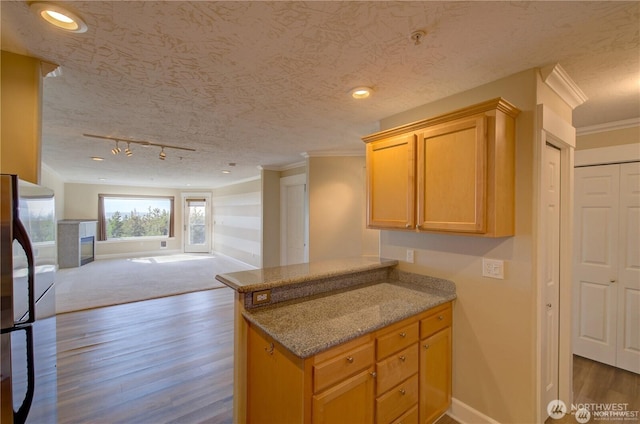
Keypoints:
(136, 217)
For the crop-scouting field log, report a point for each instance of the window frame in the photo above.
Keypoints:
(102, 220)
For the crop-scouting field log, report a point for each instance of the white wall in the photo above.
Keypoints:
(237, 221)
(336, 190)
(81, 202)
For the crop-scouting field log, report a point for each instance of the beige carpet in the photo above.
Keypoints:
(116, 281)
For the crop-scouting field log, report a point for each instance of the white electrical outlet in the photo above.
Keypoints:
(493, 268)
(410, 257)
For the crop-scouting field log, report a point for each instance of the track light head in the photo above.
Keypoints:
(163, 155)
(116, 149)
(128, 151)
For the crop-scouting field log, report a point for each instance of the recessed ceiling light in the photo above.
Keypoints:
(59, 16)
(224, 171)
(361, 92)
(97, 158)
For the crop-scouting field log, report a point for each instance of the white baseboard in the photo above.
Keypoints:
(162, 252)
(232, 259)
(465, 414)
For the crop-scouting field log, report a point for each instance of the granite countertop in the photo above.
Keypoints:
(268, 278)
(311, 325)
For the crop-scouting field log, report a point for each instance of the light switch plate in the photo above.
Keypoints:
(493, 268)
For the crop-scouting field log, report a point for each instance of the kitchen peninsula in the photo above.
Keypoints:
(353, 340)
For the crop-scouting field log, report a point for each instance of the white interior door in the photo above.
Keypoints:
(293, 234)
(551, 290)
(596, 250)
(628, 284)
(197, 237)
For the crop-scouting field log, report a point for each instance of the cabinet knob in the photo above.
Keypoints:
(403, 391)
(403, 334)
(373, 374)
(350, 359)
(417, 226)
(408, 225)
(440, 317)
(403, 358)
(549, 305)
(426, 346)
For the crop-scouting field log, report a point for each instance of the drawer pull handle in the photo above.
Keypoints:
(403, 358)
(403, 391)
(403, 334)
(269, 349)
(426, 346)
(440, 317)
(350, 359)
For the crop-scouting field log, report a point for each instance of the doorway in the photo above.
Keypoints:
(607, 265)
(555, 146)
(293, 220)
(551, 195)
(196, 218)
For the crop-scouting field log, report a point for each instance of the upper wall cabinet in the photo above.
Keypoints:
(454, 173)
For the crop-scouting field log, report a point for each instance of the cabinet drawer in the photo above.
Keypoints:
(397, 401)
(396, 368)
(410, 417)
(342, 366)
(435, 322)
(396, 340)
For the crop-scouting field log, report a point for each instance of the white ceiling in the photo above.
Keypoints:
(260, 83)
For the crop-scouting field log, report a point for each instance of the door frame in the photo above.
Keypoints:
(299, 179)
(208, 213)
(551, 128)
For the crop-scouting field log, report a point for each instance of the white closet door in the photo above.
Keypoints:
(596, 262)
(551, 291)
(628, 343)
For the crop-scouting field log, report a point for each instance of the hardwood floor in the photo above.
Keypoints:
(166, 360)
(597, 383)
(170, 360)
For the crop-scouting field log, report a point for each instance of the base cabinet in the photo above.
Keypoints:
(385, 377)
(435, 364)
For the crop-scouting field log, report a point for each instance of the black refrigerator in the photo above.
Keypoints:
(28, 388)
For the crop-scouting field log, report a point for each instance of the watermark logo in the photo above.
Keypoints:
(582, 415)
(556, 409)
(586, 412)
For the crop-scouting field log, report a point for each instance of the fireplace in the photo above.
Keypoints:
(86, 250)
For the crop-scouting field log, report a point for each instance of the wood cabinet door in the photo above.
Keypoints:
(391, 182)
(435, 375)
(350, 401)
(452, 176)
(275, 382)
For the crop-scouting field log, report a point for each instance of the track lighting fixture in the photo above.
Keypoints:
(128, 150)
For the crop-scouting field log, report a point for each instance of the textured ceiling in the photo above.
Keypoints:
(260, 83)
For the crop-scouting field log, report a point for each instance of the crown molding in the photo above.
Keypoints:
(561, 83)
(281, 168)
(332, 153)
(609, 126)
